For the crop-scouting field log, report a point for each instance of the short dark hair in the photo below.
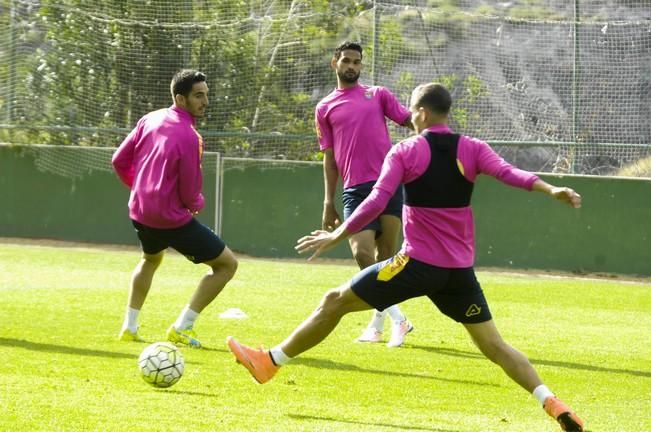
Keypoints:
(347, 45)
(432, 96)
(183, 81)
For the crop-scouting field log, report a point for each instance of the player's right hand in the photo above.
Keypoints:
(317, 241)
(331, 218)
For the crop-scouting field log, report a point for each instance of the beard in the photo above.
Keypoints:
(198, 112)
(348, 77)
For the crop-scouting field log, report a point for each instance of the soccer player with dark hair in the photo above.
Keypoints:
(438, 169)
(160, 161)
(353, 135)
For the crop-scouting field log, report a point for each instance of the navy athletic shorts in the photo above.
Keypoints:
(353, 196)
(455, 291)
(194, 240)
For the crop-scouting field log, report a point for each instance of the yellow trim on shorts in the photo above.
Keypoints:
(393, 267)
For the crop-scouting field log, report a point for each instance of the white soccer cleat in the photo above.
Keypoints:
(398, 333)
(370, 335)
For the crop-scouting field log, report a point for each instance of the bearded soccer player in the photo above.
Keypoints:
(160, 161)
(353, 136)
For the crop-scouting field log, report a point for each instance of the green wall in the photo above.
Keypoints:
(43, 196)
(610, 233)
(514, 228)
(267, 207)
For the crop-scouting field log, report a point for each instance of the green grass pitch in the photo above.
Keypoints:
(62, 368)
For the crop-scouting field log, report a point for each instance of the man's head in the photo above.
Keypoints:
(190, 91)
(429, 105)
(347, 62)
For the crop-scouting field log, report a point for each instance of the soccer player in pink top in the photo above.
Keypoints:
(160, 161)
(353, 135)
(438, 169)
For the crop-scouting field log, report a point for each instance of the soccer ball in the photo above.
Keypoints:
(161, 364)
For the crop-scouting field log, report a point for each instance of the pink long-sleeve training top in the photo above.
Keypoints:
(444, 237)
(352, 121)
(160, 160)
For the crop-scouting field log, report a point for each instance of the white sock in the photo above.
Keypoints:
(131, 319)
(377, 321)
(186, 319)
(278, 356)
(541, 393)
(396, 315)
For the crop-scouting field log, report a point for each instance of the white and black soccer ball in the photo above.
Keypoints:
(161, 364)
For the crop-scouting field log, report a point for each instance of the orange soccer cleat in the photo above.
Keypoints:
(257, 361)
(568, 420)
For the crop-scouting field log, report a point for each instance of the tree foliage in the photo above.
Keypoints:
(82, 72)
(98, 65)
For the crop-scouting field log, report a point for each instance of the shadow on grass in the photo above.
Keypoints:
(213, 349)
(329, 364)
(592, 368)
(190, 393)
(400, 427)
(556, 363)
(446, 351)
(63, 349)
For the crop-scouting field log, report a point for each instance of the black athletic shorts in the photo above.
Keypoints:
(194, 240)
(455, 291)
(353, 196)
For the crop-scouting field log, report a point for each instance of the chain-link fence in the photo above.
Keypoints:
(554, 86)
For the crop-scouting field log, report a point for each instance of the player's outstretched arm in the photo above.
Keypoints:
(563, 194)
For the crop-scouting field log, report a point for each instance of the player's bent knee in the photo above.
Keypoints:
(232, 266)
(153, 260)
(338, 302)
(331, 303)
(330, 297)
(364, 258)
(226, 264)
(385, 252)
(228, 268)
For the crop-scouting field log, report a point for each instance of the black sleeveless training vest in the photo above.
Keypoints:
(441, 185)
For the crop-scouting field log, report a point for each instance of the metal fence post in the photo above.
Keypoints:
(219, 188)
(376, 42)
(12, 61)
(575, 88)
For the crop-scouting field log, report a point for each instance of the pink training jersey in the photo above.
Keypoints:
(444, 237)
(351, 121)
(160, 160)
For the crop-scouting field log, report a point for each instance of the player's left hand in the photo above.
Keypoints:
(318, 241)
(566, 195)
